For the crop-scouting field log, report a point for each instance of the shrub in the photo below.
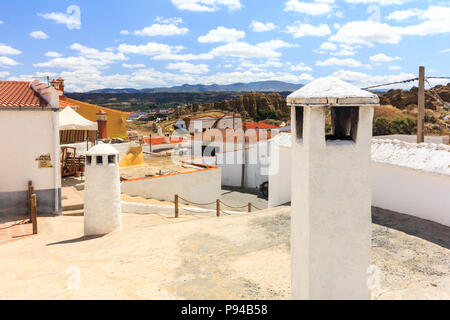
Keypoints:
(381, 127)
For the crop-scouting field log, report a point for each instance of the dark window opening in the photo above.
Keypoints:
(88, 160)
(344, 123)
(299, 122)
(112, 159)
(208, 151)
(99, 160)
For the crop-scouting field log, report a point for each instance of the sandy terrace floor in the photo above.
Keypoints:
(158, 257)
(157, 165)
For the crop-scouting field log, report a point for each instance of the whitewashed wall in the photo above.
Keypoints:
(421, 190)
(280, 177)
(24, 136)
(201, 186)
(421, 194)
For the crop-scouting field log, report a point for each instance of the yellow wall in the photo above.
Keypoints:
(116, 125)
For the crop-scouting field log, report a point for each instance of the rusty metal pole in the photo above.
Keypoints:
(34, 213)
(176, 206)
(249, 207)
(218, 207)
(421, 106)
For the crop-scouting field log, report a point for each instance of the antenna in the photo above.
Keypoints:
(46, 77)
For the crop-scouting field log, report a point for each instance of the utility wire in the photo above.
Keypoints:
(391, 83)
(437, 95)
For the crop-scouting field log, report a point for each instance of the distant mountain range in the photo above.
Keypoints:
(264, 86)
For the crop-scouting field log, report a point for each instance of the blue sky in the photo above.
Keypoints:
(144, 44)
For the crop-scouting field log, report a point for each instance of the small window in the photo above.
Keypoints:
(99, 160)
(89, 160)
(299, 122)
(344, 123)
(112, 159)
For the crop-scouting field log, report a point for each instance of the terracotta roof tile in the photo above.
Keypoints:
(14, 94)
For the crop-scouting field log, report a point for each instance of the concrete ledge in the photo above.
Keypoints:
(45, 201)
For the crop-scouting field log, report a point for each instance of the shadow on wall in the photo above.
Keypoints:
(424, 229)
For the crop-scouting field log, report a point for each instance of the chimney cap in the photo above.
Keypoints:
(333, 92)
(60, 79)
(101, 112)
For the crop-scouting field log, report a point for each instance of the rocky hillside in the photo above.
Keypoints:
(251, 104)
(404, 99)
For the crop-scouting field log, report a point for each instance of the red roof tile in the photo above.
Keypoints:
(14, 94)
(260, 125)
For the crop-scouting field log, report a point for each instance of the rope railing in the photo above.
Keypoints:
(31, 204)
(218, 204)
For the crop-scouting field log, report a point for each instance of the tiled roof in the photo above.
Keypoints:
(19, 94)
(14, 94)
(260, 125)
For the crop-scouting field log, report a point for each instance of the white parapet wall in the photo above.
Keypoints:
(199, 186)
(412, 178)
(408, 178)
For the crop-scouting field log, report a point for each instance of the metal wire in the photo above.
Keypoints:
(391, 83)
(437, 95)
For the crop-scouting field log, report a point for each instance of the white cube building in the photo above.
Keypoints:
(331, 200)
(102, 202)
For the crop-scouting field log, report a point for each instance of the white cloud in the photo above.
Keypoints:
(244, 50)
(276, 44)
(72, 19)
(445, 50)
(299, 67)
(222, 34)
(265, 49)
(149, 49)
(174, 20)
(53, 54)
(207, 5)
(39, 35)
(401, 15)
(383, 58)
(184, 57)
(4, 73)
(133, 66)
(186, 67)
(8, 51)
(366, 32)
(364, 80)
(7, 62)
(299, 29)
(257, 26)
(328, 46)
(73, 63)
(394, 67)
(349, 62)
(159, 30)
(435, 21)
(312, 8)
(1, 22)
(380, 2)
(91, 53)
(306, 77)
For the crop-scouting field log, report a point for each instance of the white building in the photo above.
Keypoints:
(29, 140)
(204, 123)
(331, 207)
